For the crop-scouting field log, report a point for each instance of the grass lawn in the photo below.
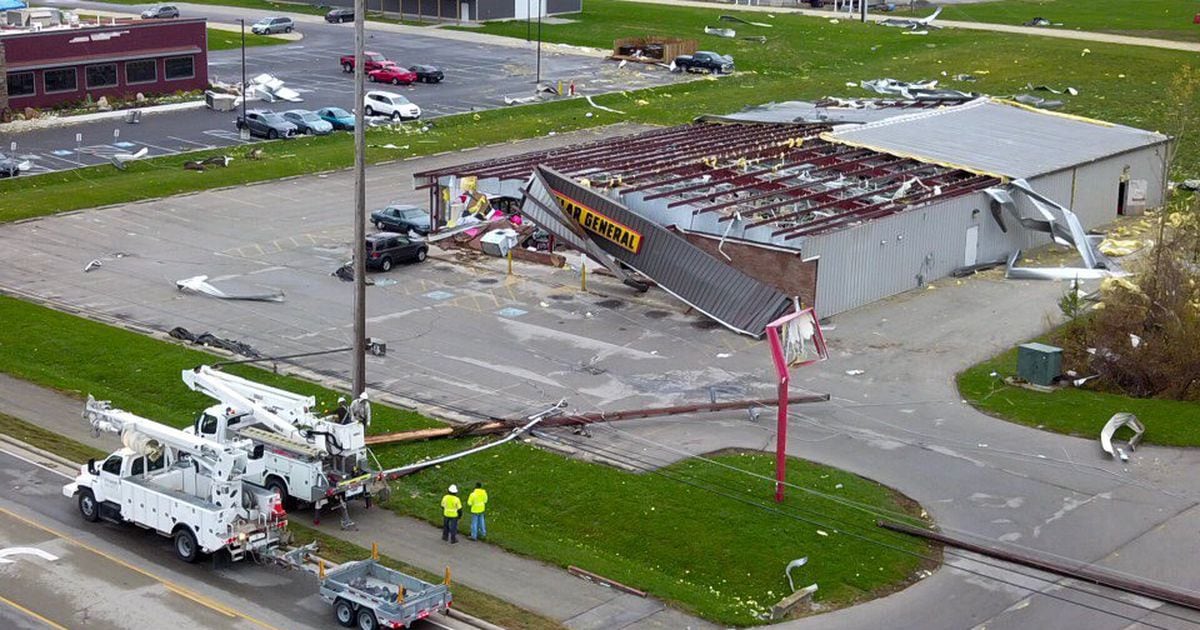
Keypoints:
(803, 58)
(721, 558)
(1073, 411)
(48, 440)
(227, 40)
(1166, 19)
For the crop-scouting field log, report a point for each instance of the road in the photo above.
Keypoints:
(465, 337)
(479, 74)
(113, 576)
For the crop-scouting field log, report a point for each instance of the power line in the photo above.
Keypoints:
(645, 466)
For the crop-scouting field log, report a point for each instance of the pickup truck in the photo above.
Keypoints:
(372, 61)
(704, 61)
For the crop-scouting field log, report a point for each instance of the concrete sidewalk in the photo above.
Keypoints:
(529, 584)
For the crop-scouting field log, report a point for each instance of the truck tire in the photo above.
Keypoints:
(88, 508)
(366, 619)
(277, 485)
(344, 613)
(186, 546)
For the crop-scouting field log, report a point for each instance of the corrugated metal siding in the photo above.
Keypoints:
(887, 256)
(711, 286)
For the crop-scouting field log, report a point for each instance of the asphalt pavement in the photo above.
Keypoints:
(479, 74)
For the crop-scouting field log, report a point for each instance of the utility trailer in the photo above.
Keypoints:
(178, 485)
(368, 595)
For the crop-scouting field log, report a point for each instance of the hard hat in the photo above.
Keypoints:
(341, 399)
(362, 396)
(453, 489)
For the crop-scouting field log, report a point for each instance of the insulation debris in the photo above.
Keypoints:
(1122, 419)
(271, 89)
(794, 564)
(200, 284)
(213, 341)
(914, 25)
(601, 107)
(1041, 21)
(121, 159)
(915, 90)
(1037, 101)
(734, 18)
(1111, 247)
(720, 32)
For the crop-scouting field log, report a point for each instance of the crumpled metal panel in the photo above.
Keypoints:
(711, 286)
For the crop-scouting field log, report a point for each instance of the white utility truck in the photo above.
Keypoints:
(180, 485)
(320, 461)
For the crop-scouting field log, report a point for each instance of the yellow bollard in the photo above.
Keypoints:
(510, 262)
(447, 580)
(321, 568)
(583, 278)
(374, 551)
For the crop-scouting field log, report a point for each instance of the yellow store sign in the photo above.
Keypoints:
(601, 225)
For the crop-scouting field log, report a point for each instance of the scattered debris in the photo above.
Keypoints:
(213, 341)
(761, 39)
(270, 89)
(794, 564)
(1111, 247)
(734, 18)
(971, 270)
(1045, 88)
(200, 284)
(1041, 21)
(94, 264)
(216, 160)
(914, 24)
(1121, 419)
(720, 32)
(1037, 101)
(915, 90)
(121, 159)
(601, 107)
(1190, 184)
(855, 372)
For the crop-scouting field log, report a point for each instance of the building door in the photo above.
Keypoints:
(1122, 195)
(971, 255)
(464, 10)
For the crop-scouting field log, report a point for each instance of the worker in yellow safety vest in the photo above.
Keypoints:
(451, 511)
(477, 501)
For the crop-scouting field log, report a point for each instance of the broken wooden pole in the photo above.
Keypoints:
(502, 426)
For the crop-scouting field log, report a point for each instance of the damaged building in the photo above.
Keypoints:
(840, 206)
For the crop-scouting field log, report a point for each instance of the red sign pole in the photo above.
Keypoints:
(781, 369)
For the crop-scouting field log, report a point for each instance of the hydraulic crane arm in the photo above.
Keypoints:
(279, 409)
(148, 437)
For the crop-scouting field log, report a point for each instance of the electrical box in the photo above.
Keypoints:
(1039, 363)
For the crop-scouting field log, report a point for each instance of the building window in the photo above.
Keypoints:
(21, 84)
(101, 76)
(141, 71)
(179, 68)
(59, 80)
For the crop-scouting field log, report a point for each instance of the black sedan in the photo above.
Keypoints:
(337, 16)
(402, 218)
(385, 249)
(428, 74)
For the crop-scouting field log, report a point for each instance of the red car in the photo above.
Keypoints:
(393, 74)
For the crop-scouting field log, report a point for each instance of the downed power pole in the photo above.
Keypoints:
(500, 426)
(1079, 571)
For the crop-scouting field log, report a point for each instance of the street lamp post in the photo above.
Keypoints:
(359, 367)
(243, 22)
(538, 80)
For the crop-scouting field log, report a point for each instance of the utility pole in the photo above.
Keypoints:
(862, 6)
(528, 21)
(541, 5)
(243, 21)
(359, 368)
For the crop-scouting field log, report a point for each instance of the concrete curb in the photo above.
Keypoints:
(19, 126)
(58, 462)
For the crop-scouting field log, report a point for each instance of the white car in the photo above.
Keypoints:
(389, 104)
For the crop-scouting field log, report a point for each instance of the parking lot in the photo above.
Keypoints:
(478, 76)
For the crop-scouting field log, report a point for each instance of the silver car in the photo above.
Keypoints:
(162, 11)
(272, 25)
(308, 122)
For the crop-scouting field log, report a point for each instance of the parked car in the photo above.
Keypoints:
(266, 124)
(392, 74)
(337, 16)
(385, 249)
(388, 104)
(427, 74)
(704, 61)
(9, 167)
(271, 25)
(308, 122)
(162, 11)
(371, 61)
(338, 117)
(402, 218)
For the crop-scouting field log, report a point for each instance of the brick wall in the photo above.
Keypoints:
(3, 84)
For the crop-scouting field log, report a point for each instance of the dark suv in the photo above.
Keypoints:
(384, 249)
(337, 16)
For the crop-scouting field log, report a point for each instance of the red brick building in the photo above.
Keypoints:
(58, 65)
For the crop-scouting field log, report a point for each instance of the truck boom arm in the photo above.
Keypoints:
(280, 409)
(147, 436)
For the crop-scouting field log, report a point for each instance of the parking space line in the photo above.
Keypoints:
(199, 144)
(31, 614)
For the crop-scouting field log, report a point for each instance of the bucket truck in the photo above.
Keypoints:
(321, 461)
(180, 485)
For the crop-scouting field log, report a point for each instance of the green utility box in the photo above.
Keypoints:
(1039, 363)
